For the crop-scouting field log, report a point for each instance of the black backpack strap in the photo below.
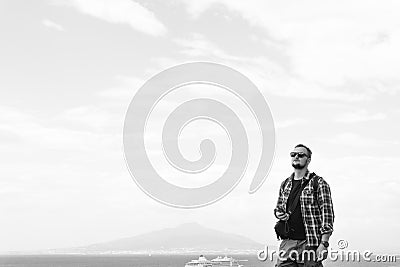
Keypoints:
(315, 186)
(285, 182)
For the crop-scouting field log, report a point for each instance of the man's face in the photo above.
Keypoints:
(299, 162)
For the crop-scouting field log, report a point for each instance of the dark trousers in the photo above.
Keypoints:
(295, 253)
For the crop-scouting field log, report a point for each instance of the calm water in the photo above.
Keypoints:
(142, 261)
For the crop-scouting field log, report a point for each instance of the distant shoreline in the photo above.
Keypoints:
(130, 254)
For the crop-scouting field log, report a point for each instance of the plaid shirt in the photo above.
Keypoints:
(317, 213)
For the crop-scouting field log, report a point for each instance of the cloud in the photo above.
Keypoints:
(198, 45)
(125, 89)
(52, 25)
(351, 139)
(38, 133)
(269, 75)
(121, 12)
(289, 123)
(355, 140)
(360, 116)
(329, 44)
(88, 116)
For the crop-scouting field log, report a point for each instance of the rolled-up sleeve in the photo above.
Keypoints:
(326, 207)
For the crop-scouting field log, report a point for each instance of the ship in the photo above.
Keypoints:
(217, 262)
(200, 262)
(227, 261)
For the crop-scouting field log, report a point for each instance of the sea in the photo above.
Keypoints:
(148, 261)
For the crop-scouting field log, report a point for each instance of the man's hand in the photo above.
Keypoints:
(282, 215)
(322, 252)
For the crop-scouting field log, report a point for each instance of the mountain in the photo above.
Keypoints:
(186, 238)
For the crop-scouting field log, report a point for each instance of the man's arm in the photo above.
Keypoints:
(279, 213)
(326, 208)
(328, 216)
(325, 237)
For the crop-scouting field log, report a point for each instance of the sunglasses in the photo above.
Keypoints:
(300, 154)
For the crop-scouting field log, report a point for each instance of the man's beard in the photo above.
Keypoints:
(298, 166)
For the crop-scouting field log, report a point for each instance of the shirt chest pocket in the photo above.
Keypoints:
(308, 197)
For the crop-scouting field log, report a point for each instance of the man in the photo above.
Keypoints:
(311, 221)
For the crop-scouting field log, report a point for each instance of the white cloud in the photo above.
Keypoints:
(91, 116)
(268, 75)
(38, 133)
(52, 25)
(121, 11)
(278, 81)
(351, 139)
(330, 43)
(360, 116)
(198, 45)
(289, 123)
(125, 90)
(356, 140)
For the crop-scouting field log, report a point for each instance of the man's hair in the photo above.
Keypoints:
(308, 150)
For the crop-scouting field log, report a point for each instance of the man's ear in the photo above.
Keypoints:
(309, 160)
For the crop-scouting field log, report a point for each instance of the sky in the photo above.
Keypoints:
(69, 69)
